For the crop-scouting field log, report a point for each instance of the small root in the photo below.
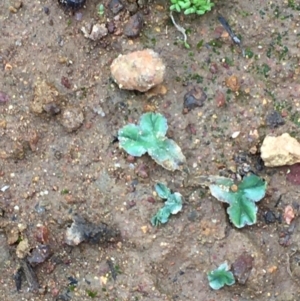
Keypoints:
(180, 29)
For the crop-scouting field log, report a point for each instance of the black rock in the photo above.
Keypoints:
(269, 217)
(116, 6)
(193, 99)
(39, 254)
(274, 119)
(82, 230)
(30, 275)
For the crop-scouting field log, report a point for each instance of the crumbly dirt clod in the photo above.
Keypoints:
(139, 70)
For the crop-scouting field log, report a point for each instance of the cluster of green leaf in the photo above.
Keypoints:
(172, 205)
(199, 7)
(150, 136)
(241, 197)
(220, 276)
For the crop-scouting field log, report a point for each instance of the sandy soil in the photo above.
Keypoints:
(48, 173)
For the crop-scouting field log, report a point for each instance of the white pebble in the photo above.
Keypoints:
(235, 135)
(4, 188)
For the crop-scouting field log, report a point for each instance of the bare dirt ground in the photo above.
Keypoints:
(48, 173)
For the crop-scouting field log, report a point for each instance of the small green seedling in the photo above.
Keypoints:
(91, 293)
(150, 136)
(101, 10)
(221, 276)
(199, 7)
(172, 206)
(65, 191)
(241, 197)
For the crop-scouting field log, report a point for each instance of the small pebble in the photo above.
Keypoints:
(65, 82)
(72, 119)
(3, 98)
(116, 6)
(111, 27)
(39, 254)
(269, 217)
(274, 119)
(242, 267)
(151, 200)
(192, 216)
(235, 135)
(134, 26)
(4, 188)
(232, 83)
(193, 99)
(51, 108)
(18, 4)
(78, 16)
(213, 68)
(130, 159)
(12, 9)
(46, 10)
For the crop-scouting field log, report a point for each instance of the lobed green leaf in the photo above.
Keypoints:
(172, 206)
(242, 212)
(130, 139)
(154, 124)
(168, 154)
(162, 190)
(220, 277)
(174, 203)
(161, 217)
(184, 4)
(149, 136)
(254, 188)
(221, 189)
(242, 209)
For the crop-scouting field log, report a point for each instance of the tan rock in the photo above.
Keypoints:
(139, 70)
(96, 32)
(279, 151)
(12, 235)
(46, 98)
(72, 119)
(23, 248)
(232, 83)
